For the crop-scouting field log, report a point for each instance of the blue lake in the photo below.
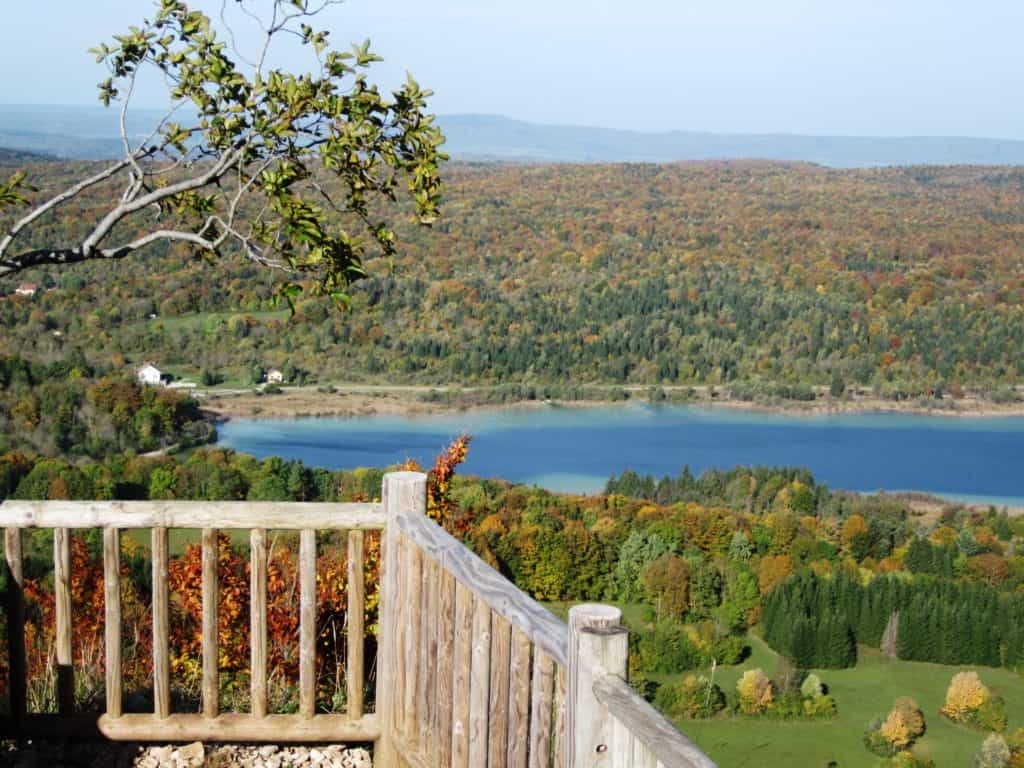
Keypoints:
(576, 449)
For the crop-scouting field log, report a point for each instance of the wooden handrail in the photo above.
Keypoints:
(642, 722)
(543, 628)
(191, 514)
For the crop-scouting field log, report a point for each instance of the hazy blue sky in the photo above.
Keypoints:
(861, 67)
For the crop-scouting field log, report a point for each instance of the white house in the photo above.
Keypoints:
(26, 289)
(274, 376)
(150, 375)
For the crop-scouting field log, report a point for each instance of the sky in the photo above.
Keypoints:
(840, 67)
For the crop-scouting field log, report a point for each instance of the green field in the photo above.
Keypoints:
(209, 322)
(862, 693)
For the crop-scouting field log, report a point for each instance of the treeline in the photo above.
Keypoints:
(742, 275)
(816, 621)
(751, 488)
(70, 408)
(207, 474)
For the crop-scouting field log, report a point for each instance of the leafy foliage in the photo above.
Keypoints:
(243, 169)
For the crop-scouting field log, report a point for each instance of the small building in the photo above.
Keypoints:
(150, 375)
(274, 376)
(26, 289)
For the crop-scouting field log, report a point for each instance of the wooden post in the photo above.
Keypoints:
(598, 646)
(112, 618)
(62, 601)
(462, 654)
(211, 617)
(479, 684)
(354, 668)
(258, 621)
(402, 493)
(442, 721)
(541, 709)
(497, 726)
(519, 701)
(15, 620)
(161, 626)
(307, 622)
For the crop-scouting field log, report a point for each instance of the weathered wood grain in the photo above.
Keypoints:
(258, 621)
(442, 720)
(462, 657)
(112, 618)
(15, 607)
(412, 595)
(211, 590)
(191, 514)
(559, 745)
(501, 651)
(519, 701)
(426, 693)
(541, 709)
(307, 622)
(514, 605)
(480, 681)
(585, 722)
(62, 604)
(401, 492)
(161, 625)
(356, 631)
(649, 726)
(239, 727)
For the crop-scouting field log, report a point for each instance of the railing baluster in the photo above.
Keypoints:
(112, 618)
(307, 623)
(427, 691)
(211, 684)
(541, 709)
(62, 602)
(355, 635)
(462, 655)
(258, 621)
(15, 620)
(161, 626)
(480, 680)
(561, 754)
(411, 597)
(501, 651)
(519, 700)
(442, 722)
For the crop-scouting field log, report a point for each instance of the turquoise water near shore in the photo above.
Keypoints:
(577, 449)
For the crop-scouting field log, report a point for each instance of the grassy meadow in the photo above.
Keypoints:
(862, 693)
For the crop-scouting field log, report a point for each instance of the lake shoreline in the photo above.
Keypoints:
(311, 402)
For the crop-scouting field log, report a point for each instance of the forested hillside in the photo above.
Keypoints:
(68, 408)
(768, 278)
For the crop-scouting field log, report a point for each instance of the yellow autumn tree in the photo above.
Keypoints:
(754, 691)
(904, 724)
(895, 729)
(965, 696)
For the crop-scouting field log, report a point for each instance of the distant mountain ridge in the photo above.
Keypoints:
(489, 137)
(91, 133)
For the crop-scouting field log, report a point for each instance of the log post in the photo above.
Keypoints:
(62, 603)
(598, 646)
(402, 493)
(16, 621)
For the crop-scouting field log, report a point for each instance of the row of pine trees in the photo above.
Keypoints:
(818, 621)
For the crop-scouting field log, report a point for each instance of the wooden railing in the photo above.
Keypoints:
(479, 675)
(471, 672)
(160, 517)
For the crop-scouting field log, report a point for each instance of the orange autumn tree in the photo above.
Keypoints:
(87, 647)
(440, 506)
